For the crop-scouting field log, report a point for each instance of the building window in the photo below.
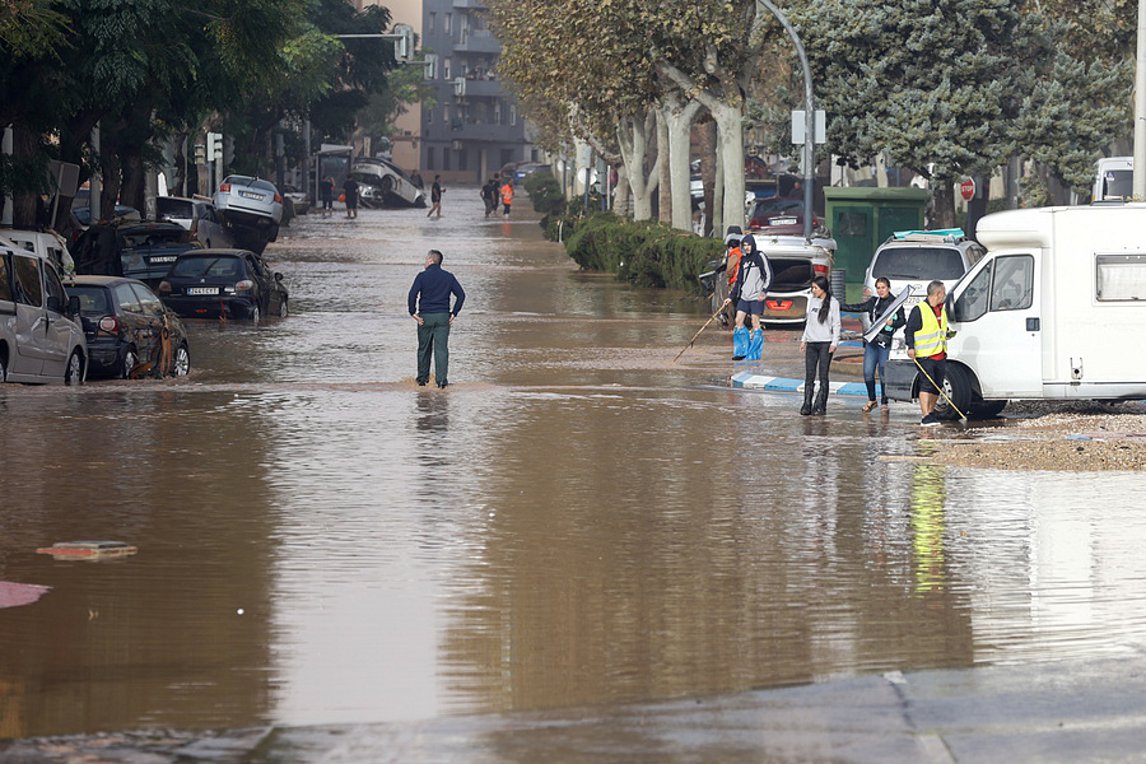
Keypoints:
(446, 114)
(429, 116)
(430, 23)
(497, 112)
(513, 114)
(462, 159)
(446, 26)
(445, 69)
(446, 158)
(430, 163)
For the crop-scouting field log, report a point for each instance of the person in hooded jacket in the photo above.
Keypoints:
(876, 352)
(753, 277)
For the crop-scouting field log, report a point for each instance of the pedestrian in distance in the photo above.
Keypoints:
(821, 337)
(926, 338)
(326, 192)
(350, 190)
(876, 352)
(436, 192)
(506, 197)
(429, 304)
(489, 196)
(753, 277)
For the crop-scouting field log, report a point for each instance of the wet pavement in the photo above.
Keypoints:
(576, 540)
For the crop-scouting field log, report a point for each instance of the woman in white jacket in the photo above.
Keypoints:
(821, 336)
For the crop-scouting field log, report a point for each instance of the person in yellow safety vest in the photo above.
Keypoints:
(506, 197)
(926, 337)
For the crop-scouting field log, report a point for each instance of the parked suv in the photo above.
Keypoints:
(41, 340)
(916, 258)
(198, 216)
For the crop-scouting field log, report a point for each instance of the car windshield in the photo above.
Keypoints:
(1118, 184)
(790, 274)
(94, 300)
(918, 263)
(766, 207)
(264, 185)
(239, 180)
(219, 266)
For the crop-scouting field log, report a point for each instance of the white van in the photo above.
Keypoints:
(41, 337)
(1054, 311)
(1113, 179)
(48, 245)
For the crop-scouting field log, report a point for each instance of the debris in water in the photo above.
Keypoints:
(88, 550)
(15, 595)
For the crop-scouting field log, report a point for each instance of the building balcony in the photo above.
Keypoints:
(477, 41)
(465, 87)
(472, 5)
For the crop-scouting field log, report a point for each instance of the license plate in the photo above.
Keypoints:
(162, 259)
(202, 290)
(913, 300)
(782, 221)
(251, 195)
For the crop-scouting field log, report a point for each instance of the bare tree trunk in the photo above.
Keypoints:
(708, 172)
(131, 191)
(679, 116)
(25, 147)
(633, 137)
(621, 193)
(664, 187)
(943, 197)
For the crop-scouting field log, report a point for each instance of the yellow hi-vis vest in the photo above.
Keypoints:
(932, 338)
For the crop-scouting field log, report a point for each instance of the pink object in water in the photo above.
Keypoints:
(14, 595)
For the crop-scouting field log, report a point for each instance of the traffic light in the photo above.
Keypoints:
(214, 146)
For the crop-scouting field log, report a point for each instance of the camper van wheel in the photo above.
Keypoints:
(957, 386)
(74, 371)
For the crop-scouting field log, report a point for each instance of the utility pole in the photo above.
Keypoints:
(1139, 186)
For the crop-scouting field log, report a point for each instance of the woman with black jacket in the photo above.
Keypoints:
(875, 353)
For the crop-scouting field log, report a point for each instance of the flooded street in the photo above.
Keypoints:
(575, 521)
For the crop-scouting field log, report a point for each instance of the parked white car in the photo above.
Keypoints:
(246, 201)
(795, 261)
(393, 186)
(916, 258)
(197, 215)
(41, 337)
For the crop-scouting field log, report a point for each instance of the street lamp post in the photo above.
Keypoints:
(809, 116)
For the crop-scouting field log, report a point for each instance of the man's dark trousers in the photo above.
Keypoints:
(434, 336)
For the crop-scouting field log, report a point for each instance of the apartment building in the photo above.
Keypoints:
(473, 127)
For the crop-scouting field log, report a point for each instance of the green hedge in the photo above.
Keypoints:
(644, 254)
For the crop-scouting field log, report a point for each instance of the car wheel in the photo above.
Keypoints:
(957, 386)
(129, 362)
(74, 371)
(255, 315)
(181, 364)
(283, 308)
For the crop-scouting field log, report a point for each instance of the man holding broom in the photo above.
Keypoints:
(926, 337)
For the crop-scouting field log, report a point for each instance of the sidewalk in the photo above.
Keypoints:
(1047, 712)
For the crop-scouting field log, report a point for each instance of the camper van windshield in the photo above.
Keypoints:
(918, 263)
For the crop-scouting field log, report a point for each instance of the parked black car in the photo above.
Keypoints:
(143, 251)
(234, 283)
(129, 332)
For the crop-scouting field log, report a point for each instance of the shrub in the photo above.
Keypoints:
(644, 254)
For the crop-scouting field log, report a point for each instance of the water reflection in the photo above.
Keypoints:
(574, 521)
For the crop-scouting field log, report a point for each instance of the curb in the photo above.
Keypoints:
(751, 381)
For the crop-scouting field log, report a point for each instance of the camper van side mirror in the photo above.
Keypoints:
(73, 306)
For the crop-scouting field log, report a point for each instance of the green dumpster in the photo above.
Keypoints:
(862, 218)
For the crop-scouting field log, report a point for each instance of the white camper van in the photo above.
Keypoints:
(1054, 311)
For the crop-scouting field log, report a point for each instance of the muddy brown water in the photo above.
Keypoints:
(575, 521)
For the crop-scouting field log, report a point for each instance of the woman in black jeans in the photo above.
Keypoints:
(875, 353)
(821, 336)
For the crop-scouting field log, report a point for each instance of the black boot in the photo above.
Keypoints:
(807, 407)
(821, 406)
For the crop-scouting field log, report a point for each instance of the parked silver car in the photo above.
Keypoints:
(41, 338)
(198, 216)
(915, 258)
(246, 201)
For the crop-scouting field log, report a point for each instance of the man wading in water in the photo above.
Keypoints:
(429, 303)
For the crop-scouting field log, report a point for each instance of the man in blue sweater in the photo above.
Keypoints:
(429, 303)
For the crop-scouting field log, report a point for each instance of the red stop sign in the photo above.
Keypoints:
(967, 189)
